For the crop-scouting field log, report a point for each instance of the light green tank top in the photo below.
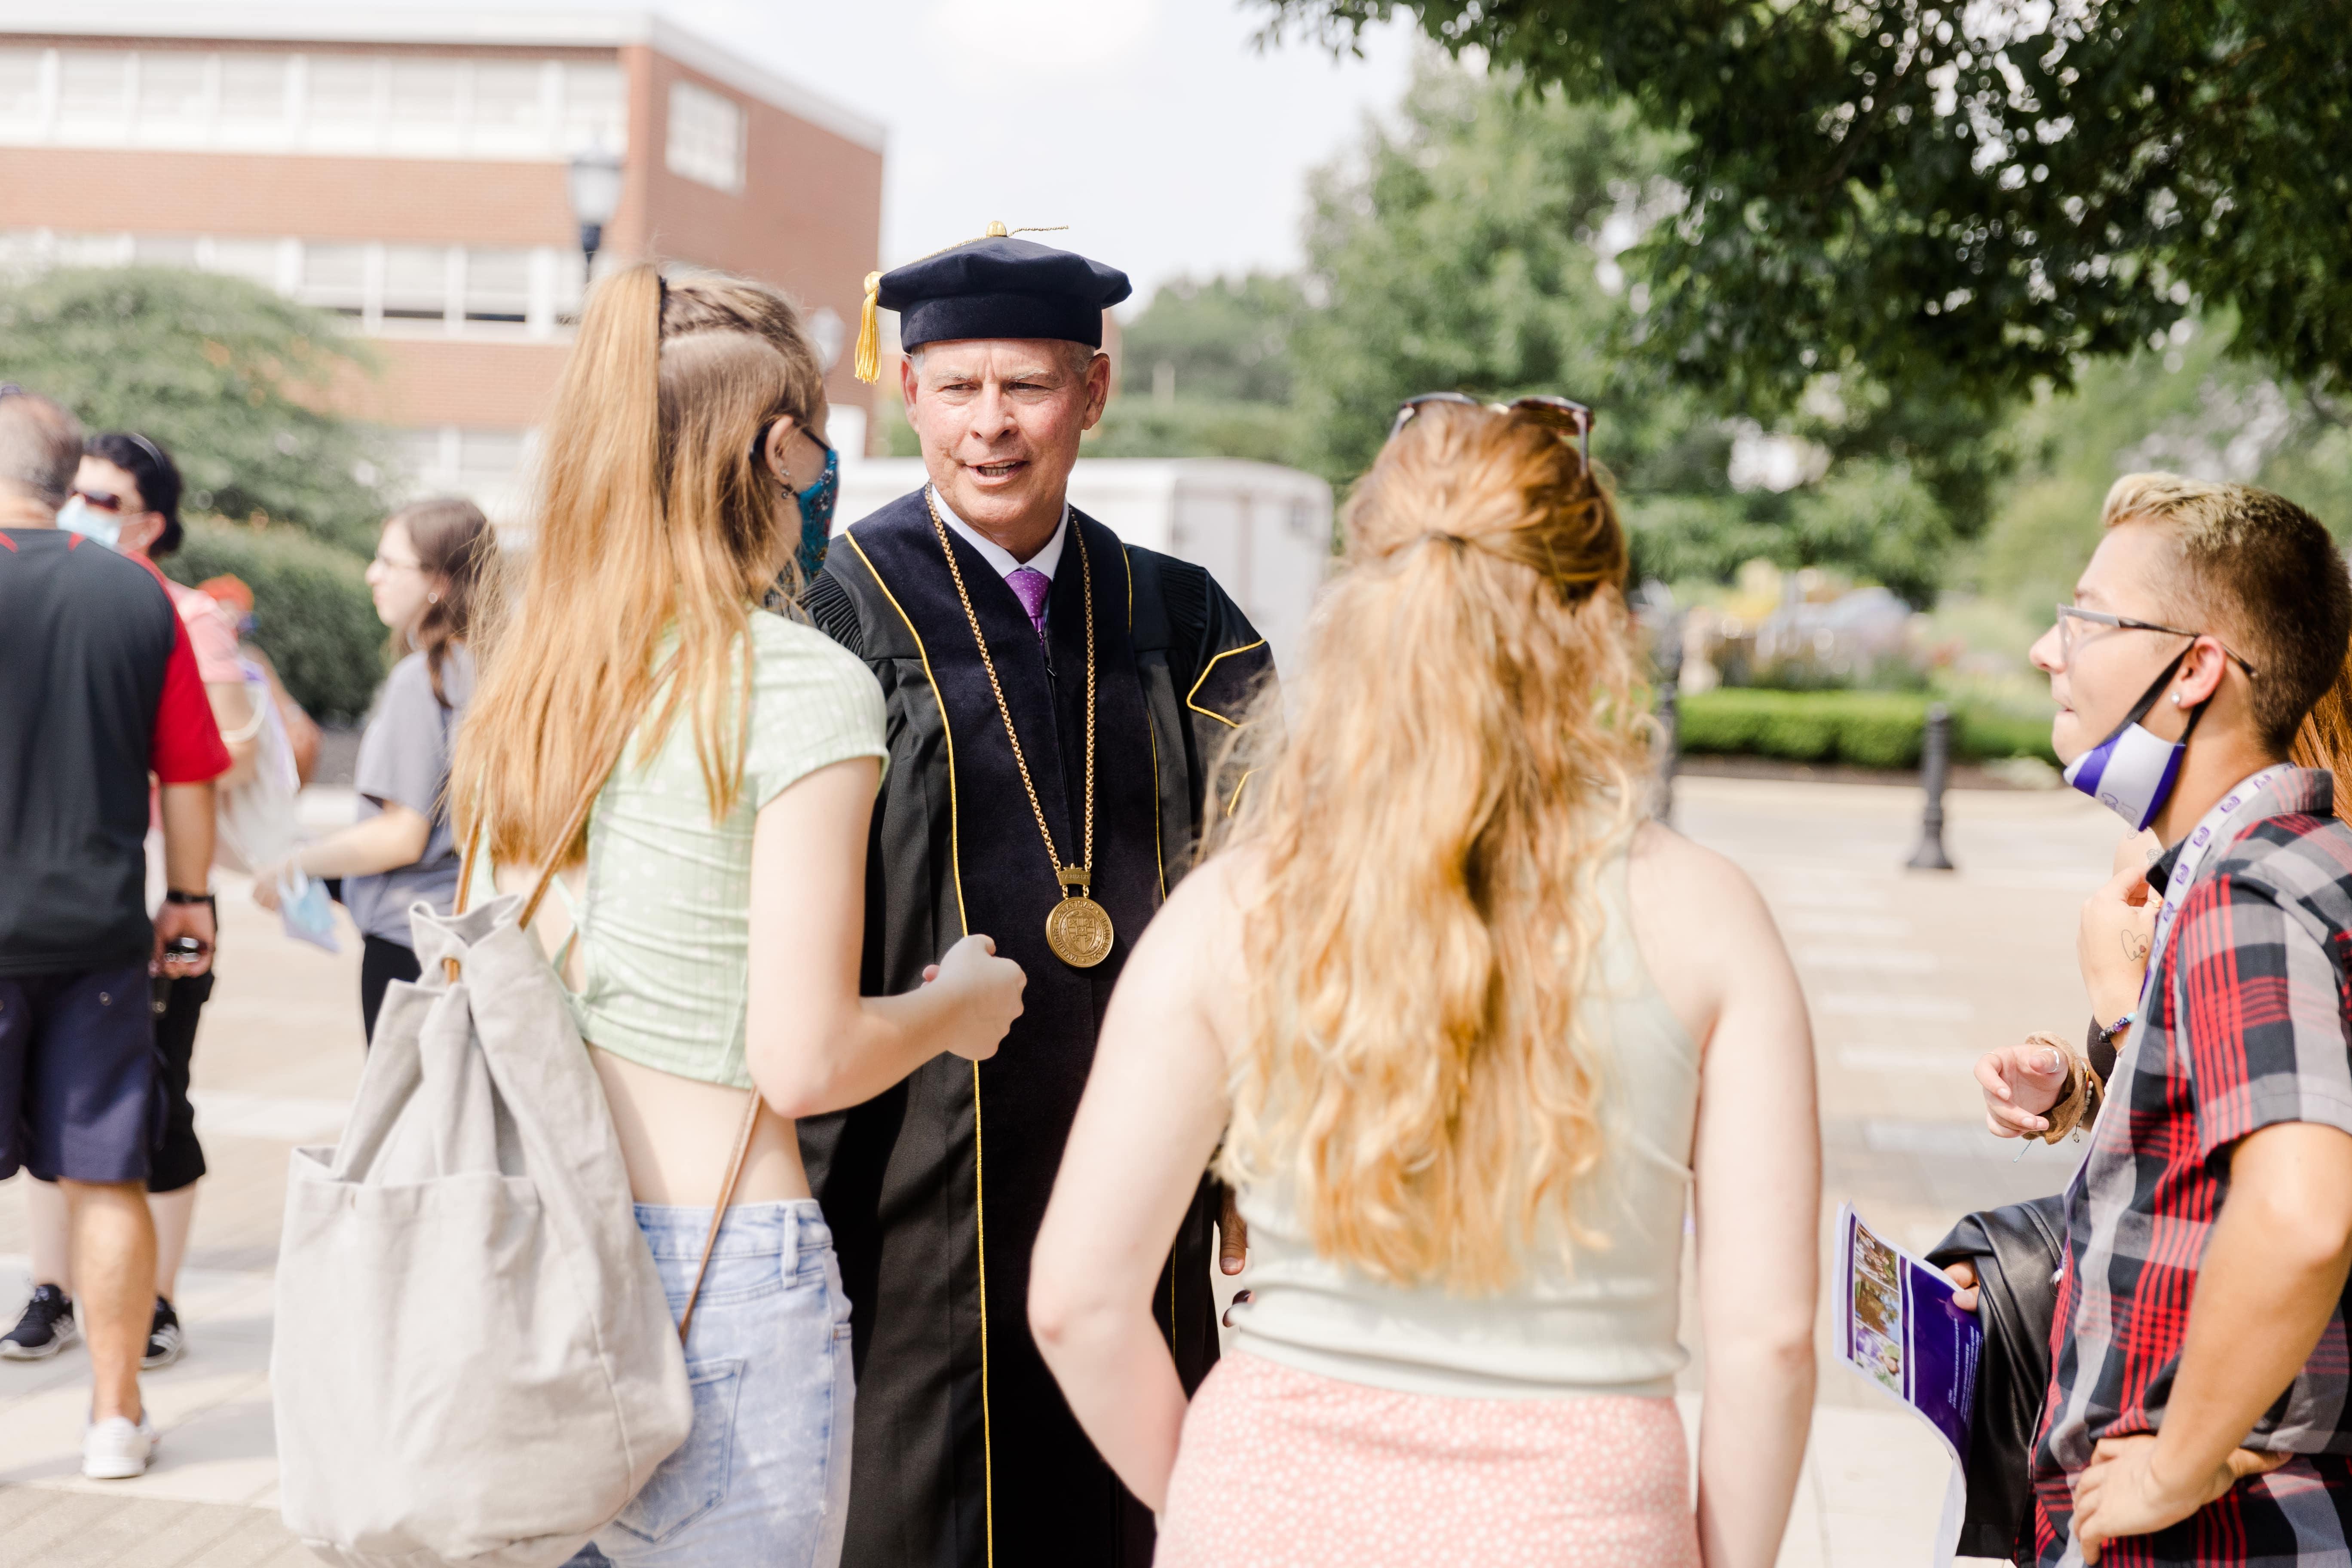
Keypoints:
(662, 922)
(1601, 1322)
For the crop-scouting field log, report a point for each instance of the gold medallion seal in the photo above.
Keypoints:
(1078, 930)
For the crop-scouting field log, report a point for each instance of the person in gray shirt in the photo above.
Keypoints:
(428, 567)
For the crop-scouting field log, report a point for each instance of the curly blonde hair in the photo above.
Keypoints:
(1463, 756)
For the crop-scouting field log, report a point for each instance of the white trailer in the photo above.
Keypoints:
(1263, 531)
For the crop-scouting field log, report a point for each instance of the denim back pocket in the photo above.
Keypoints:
(693, 1480)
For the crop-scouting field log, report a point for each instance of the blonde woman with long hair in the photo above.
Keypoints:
(1466, 1033)
(711, 910)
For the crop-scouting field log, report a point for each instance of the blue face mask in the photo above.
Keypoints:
(2131, 771)
(78, 516)
(816, 515)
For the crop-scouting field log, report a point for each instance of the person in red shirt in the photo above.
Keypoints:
(99, 690)
(126, 496)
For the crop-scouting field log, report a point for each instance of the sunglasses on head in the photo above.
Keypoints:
(1561, 413)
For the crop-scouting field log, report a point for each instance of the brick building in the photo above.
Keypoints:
(409, 169)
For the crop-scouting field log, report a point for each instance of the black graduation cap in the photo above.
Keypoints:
(997, 285)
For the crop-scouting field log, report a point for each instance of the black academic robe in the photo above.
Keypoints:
(966, 1455)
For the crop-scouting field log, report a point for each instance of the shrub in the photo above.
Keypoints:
(1866, 729)
(312, 611)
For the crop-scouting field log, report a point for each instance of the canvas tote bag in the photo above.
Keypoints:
(474, 1360)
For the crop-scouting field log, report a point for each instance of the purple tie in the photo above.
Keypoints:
(1033, 586)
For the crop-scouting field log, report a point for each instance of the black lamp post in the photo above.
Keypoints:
(596, 186)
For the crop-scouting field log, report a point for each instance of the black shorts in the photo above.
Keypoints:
(80, 1082)
(178, 1160)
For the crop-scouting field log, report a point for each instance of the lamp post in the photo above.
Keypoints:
(596, 186)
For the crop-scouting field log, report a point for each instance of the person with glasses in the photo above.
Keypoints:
(1468, 1035)
(429, 568)
(2197, 1385)
(1058, 700)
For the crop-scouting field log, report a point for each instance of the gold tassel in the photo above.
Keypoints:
(868, 364)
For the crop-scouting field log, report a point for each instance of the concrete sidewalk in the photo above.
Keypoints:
(1910, 975)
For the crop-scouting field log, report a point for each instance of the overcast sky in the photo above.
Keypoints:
(1154, 128)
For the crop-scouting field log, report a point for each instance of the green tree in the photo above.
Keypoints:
(1471, 244)
(238, 382)
(2190, 407)
(1224, 341)
(1981, 198)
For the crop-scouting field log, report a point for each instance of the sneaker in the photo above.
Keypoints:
(117, 1448)
(46, 1327)
(165, 1341)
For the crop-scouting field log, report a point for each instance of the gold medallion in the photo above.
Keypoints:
(1078, 930)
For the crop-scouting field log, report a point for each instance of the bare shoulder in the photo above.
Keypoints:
(1703, 931)
(1669, 873)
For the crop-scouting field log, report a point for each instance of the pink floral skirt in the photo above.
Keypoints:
(1284, 1468)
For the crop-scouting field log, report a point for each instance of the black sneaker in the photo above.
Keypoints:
(164, 1342)
(46, 1327)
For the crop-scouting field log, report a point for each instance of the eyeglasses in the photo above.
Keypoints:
(2070, 613)
(1553, 413)
(104, 499)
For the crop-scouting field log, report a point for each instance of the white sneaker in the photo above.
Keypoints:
(115, 1449)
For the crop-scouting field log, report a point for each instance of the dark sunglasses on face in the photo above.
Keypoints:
(1561, 413)
(103, 500)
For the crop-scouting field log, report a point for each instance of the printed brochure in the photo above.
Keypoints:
(1897, 1327)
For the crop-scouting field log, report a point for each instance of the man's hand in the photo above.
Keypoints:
(1233, 1232)
(2121, 1494)
(2021, 1082)
(2111, 940)
(177, 921)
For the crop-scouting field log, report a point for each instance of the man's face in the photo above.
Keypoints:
(999, 420)
(2095, 681)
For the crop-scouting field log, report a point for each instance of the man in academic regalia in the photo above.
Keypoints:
(1056, 700)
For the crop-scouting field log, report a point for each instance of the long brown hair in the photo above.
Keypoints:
(455, 548)
(1461, 758)
(656, 515)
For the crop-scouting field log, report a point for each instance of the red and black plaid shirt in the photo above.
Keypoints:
(2244, 1029)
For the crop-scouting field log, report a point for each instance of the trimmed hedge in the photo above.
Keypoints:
(1865, 729)
(311, 610)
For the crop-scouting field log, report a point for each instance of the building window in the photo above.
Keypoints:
(705, 137)
(94, 89)
(415, 282)
(279, 101)
(253, 88)
(478, 290)
(334, 278)
(173, 87)
(498, 285)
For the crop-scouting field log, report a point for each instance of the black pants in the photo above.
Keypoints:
(179, 1160)
(382, 962)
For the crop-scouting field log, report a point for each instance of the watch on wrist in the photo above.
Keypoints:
(174, 896)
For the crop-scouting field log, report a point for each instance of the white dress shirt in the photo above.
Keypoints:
(995, 554)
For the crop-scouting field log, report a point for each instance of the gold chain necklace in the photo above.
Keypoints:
(1080, 930)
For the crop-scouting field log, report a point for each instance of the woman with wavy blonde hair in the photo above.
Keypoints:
(711, 907)
(1471, 1034)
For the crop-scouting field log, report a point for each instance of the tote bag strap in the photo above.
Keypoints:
(719, 1210)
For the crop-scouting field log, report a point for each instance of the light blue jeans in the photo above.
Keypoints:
(763, 1478)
